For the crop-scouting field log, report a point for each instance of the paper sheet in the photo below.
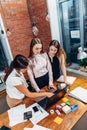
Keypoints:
(16, 115)
(37, 127)
(39, 115)
(70, 79)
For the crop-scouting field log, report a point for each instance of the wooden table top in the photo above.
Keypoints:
(68, 119)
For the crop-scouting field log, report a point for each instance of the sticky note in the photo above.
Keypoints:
(68, 103)
(63, 104)
(65, 99)
(58, 120)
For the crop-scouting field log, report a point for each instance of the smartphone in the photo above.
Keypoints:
(35, 108)
(27, 115)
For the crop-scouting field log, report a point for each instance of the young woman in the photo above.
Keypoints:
(40, 71)
(57, 58)
(16, 85)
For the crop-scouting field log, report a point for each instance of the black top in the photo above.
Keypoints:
(55, 67)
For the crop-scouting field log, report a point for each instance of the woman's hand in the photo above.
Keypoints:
(42, 90)
(52, 87)
(49, 94)
(67, 83)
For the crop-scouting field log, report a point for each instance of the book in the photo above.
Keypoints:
(79, 93)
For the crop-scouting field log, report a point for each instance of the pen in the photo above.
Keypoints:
(40, 108)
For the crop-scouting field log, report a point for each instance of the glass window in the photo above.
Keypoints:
(85, 23)
(70, 26)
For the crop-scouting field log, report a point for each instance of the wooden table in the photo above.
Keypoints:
(68, 119)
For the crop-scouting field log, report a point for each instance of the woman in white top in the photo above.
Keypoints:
(40, 72)
(16, 85)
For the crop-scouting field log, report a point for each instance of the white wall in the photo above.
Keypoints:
(54, 23)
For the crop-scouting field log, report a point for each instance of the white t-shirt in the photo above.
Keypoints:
(12, 81)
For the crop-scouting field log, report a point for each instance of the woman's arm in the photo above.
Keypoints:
(26, 92)
(63, 67)
(50, 73)
(32, 80)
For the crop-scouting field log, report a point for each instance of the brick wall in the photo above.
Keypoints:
(17, 16)
(37, 11)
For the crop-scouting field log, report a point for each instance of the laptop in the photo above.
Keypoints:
(46, 102)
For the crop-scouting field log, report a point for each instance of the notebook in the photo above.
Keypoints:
(81, 123)
(46, 102)
(79, 93)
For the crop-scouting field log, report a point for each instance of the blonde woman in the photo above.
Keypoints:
(57, 58)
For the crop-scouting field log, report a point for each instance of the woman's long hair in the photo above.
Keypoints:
(34, 41)
(19, 62)
(60, 49)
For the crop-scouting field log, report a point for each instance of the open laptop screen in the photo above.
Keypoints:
(46, 102)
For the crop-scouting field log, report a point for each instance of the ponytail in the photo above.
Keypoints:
(19, 62)
(9, 70)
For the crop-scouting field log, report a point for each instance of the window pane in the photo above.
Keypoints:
(70, 24)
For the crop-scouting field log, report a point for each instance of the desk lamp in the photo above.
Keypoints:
(82, 59)
(81, 54)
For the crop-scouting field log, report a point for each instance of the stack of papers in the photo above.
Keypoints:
(70, 79)
(79, 93)
(16, 114)
(37, 127)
